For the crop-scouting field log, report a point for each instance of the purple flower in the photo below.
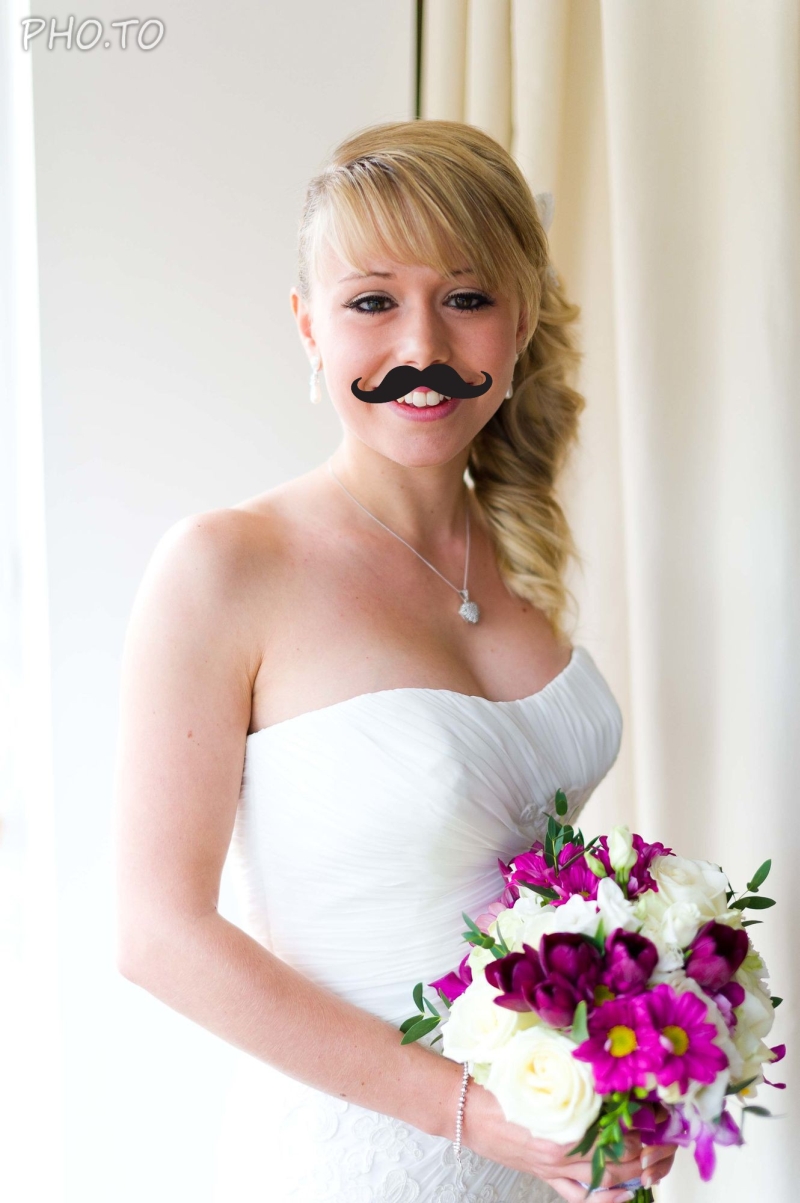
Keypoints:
(517, 974)
(778, 1053)
(572, 956)
(623, 1046)
(687, 1036)
(682, 1129)
(730, 996)
(454, 983)
(640, 878)
(629, 962)
(531, 867)
(551, 981)
(715, 954)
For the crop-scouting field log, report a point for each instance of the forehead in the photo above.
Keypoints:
(332, 270)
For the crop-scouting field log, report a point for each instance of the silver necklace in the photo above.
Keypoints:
(469, 609)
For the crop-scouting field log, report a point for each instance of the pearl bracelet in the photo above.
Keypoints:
(459, 1122)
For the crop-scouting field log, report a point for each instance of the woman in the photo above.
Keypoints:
(360, 680)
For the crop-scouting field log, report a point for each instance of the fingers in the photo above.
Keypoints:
(657, 1162)
(575, 1192)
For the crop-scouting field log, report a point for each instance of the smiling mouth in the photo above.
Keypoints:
(422, 400)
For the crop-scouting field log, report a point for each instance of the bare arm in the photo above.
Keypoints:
(189, 664)
(188, 669)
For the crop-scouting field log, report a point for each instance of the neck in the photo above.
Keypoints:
(426, 504)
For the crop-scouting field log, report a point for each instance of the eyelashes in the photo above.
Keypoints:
(483, 300)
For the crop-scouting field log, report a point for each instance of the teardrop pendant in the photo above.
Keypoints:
(469, 609)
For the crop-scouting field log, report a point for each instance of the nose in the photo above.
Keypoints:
(422, 336)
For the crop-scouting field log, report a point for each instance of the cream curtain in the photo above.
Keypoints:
(669, 133)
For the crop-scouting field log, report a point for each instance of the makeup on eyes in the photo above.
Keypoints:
(485, 302)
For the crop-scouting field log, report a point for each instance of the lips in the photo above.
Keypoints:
(424, 413)
(420, 398)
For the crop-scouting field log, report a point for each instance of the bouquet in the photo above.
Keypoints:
(612, 984)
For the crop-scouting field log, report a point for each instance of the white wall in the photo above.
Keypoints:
(169, 186)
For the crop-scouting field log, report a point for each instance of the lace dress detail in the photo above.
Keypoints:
(463, 780)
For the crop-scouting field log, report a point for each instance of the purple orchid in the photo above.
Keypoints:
(731, 995)
(687, 1036)
(455, 983)
(680, 1128)
(640, 878)
(778, 1053)
(623, 1048)
(715, 954)
(629, 962)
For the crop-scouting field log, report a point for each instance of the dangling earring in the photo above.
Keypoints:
(510, 390)
(314, 389)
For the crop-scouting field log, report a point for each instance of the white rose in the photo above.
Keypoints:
(680, 923)
(477, 1027)
(540, 1085)
(477, 960)
(615, 909)
(695, 881)
(754, 1018)
(620, 850)
(671, 927)
(526, 923)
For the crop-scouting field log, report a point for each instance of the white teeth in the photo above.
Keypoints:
(420, 399)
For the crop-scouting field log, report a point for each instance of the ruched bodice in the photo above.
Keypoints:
(364, 830)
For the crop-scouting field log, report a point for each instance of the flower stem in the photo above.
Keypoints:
(644, 1195)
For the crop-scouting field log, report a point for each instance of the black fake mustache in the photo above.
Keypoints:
(403, 379)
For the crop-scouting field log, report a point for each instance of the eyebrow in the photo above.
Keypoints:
(461, 271)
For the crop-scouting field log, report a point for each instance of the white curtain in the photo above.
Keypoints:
(669, 133)
(31, 1163)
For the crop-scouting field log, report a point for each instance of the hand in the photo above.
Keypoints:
(487, 1132)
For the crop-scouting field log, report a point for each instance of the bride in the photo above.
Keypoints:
(360, 685)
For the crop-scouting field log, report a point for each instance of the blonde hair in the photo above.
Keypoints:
(430, 192)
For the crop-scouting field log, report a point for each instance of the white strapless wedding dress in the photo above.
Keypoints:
(364, 829)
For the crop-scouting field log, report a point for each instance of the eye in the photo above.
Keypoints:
(482, 301)
(480, 297)
(359, 301)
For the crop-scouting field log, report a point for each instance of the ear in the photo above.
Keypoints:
(302, 316)
(522, 330)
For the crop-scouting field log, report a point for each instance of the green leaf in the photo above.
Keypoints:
(762, 1111)
(729, 894)
(418, 996)
(736, 1087)
(751, 922)
(472, 926)
(436, 1039)
(585, 1145)
(561, 802)
(598, 1166)
(752, 902)
(448, 1002)
(420, 1028)
(408, 1023)
(776, 1002)
(545, 891)
(760, 875)
(580, 1031)
(431, 1007)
